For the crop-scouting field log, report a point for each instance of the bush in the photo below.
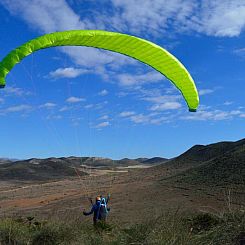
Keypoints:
(203, 222)
(13, 232)
(46, 235)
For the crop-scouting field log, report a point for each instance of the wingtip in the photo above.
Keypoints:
(2, 82)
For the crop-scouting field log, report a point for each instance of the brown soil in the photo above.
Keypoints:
(136, 194)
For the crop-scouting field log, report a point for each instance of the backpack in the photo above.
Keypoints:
(103, 209)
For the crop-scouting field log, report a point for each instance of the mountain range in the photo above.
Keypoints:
(218, 163)
(58, 168)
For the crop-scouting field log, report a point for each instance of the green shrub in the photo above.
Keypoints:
(12, 232)
(203, 222)
(46, 236)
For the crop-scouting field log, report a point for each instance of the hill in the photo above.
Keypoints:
(218, 164)
(201, 153)
(226, 168)
(37, 169)
(5, 160)
(59, 168)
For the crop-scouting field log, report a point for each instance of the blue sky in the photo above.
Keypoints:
(83, 101)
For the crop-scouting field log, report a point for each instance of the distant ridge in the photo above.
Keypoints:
(63, 167)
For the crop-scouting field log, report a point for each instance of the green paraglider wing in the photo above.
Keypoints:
(137, 48)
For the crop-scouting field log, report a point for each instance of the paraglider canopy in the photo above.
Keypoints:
(137, 48)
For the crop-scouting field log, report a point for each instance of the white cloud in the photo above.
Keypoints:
(242, 115)
(122, 94)
(100, 105)
(144, 17)
(199, 116)
(89, 106)
(211, 17)
(18, 108)
(228, 103)
(166, 106)
(154, 118)
(205, 91)
(158, 95)
(74, 99)
(140, 118)
(126, 113)
(45, 15)
(103, 92)
(94, 58)
(161, 102)
(102, 125)
(68, 72)
(159, 99)
(239, 52)
(64, 108)
(220, 18)
(160, 120)
(48, 105)
(133, 80)
(76, 121)
(54, 117)
(221, 115)
(213, 115)
(235, 112)
(9, 90)
(105, 117)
